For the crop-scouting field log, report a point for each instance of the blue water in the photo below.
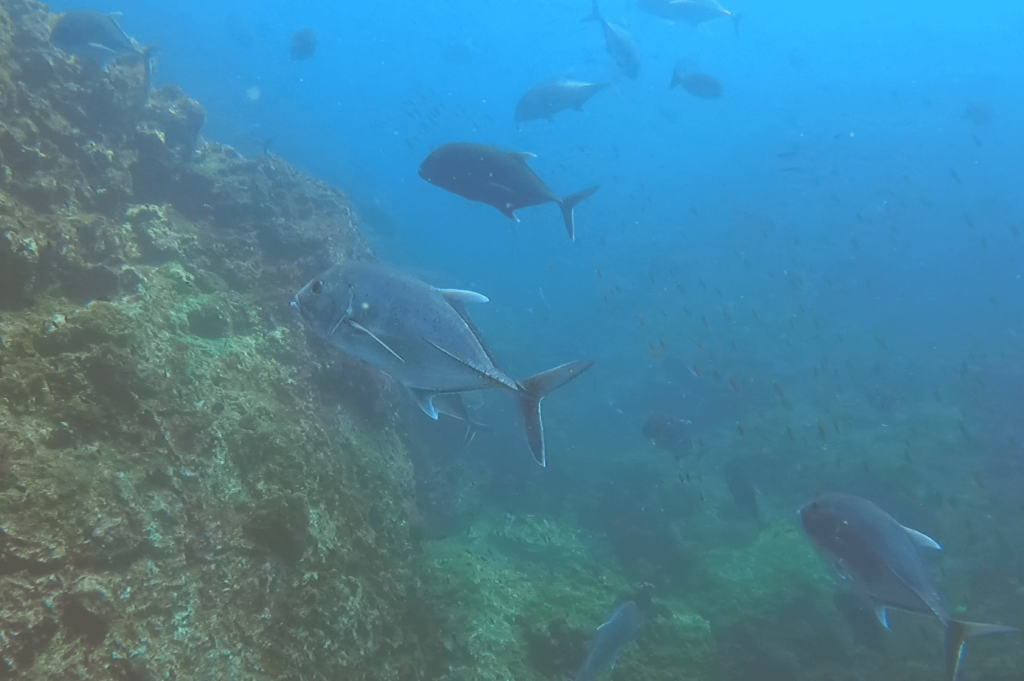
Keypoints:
(834, 227)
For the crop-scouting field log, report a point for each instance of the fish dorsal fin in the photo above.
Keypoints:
(490, 376)
(523, 156)
(359, 327)
(114, 15)
(923, 540)
(461, 296)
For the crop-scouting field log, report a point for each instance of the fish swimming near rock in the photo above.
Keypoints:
(502, 179)
(699, 85)
(98, 37)
(669, 433)
(692, 12)
(882, 559)
(303, 45)
(619, 44)
(547, 99)
(422, 337)
(612, 637)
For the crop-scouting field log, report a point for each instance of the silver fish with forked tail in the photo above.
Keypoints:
(882, 559)
(422, 337)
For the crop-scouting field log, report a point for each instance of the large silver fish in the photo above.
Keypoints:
(422, 337)
(693, 12)
(882, 559)
(611, 638)
(619, 43)
(547, 99)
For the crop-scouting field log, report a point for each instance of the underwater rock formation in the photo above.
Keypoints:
(189, 488)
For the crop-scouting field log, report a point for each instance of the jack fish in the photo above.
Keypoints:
(612, 636)
(547, 99)
(882, 559)
(619, 44)
(96, 36)
(693, 12)
(501, 179)
(423, 338)
(697, 84)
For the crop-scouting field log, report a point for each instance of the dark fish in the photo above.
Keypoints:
(547, 99)
(693, 12)
(502, 179)
(604, 649)
(669, 433)
(619, 44)
(697, 84)
(743, 492)
(978, 113)
(422, 337)
(303, 44)
(882, 559)
(96, 36)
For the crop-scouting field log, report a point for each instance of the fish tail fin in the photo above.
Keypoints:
(595, 14)
(957, 633)
(736, 22)
(676, 80)
(534, 389)
(568, 203)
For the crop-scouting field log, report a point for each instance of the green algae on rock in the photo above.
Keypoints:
(182, 495)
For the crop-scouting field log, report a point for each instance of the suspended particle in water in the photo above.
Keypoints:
(253, 93)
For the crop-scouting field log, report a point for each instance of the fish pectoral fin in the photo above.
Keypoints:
(463, 296)
(480, 370)
(881, 614)
(102, 48)
(359, 327)
(424, 398)
(922, 539)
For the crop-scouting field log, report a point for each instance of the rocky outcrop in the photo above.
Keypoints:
(189, 487)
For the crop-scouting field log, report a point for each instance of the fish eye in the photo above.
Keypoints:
(317, 287)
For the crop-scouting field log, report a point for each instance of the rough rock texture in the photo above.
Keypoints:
(189, 487)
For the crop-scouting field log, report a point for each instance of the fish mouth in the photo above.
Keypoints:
(297, 311)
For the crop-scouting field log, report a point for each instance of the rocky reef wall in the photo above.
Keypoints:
(189, 487)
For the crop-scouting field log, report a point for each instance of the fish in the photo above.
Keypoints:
(742, 489)
(882, 559)
(547, 99)
(611, 638)
(303, 44)
(421, 336)
(699, 85)
(669, 433)
(502, 179)
(619, 44)
(98, 37)
(692, 12)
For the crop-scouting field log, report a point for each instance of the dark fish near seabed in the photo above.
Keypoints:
(604, 649)
(96, 36)
(693, 12)
(669, 433)
(547, 99)
(619, 44)
(882, 559)
(422, 337)
(742, 489)
(697, 84)
(303, 44)
(502, 179)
